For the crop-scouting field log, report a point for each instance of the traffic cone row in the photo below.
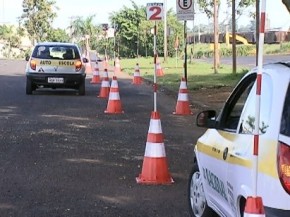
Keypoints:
(155, 167)
(137, 79)
(114, 103)
(182, 105)
(96, 76)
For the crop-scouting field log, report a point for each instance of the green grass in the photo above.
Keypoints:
(199, 74)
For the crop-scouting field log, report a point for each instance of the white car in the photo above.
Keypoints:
(221, 178)
(55, 65)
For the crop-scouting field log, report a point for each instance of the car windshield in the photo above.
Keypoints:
(64, 52)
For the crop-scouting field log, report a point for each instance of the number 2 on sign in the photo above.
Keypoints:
(154, 11)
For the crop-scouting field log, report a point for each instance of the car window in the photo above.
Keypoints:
(233, 108)
(56, 52)
(285, 121)
(247, 121)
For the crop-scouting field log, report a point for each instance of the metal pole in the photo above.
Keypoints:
(215, 37)
(114, 41)
(155, 69)
(258, 97)
(257, 29)
(185, 51)
(234, 36)
(165, 30)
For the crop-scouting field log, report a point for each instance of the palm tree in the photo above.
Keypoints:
(83, 29)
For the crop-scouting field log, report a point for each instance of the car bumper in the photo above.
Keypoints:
(69, 80)
(271, 212)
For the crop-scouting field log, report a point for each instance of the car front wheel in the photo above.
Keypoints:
(28, 86)
(196, 196)
(82, 88)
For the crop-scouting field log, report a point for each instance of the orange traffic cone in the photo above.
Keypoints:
(117, 68)
(96, 76)
(88, 66)
(114, 103)
(254, 207)
(155, 168)
(159, 70)
(106, 63)
(137, 79)
(105, 88)
(105, 74)
(182, 105)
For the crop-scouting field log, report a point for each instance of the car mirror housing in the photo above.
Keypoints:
(206, 119)
(85, 60)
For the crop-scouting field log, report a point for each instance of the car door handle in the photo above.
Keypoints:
(225, 153)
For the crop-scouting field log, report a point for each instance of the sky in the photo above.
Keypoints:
(11, 9)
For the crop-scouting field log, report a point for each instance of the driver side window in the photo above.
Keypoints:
(235, 105)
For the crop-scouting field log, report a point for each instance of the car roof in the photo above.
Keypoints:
(56, 43)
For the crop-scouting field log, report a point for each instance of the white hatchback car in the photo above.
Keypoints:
(55, 65)
(221, 178)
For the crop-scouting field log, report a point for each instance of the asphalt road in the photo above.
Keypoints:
(250, 61)
(61, 156)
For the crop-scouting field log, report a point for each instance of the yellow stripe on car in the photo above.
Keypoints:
(62, 63)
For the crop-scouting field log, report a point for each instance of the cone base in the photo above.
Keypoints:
(137, 81)
(114, 107)
(254, 207)
(154, 172)
(104, 93)
(182, 108)
(95, 80)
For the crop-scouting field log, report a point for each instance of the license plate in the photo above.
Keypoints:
(55, 80)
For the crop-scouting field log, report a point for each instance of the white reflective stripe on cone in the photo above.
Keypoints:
(105, 83)
(182, 97)
(136, 74)
(183, 85)
(155, 126)
(114, 96)
(154, 150)
(253, 215)
(114, 84)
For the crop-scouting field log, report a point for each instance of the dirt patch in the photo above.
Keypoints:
(212, 98)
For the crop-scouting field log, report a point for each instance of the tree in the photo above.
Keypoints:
(58, 35)
(11, 37)
(134, 31)
(37, 17)
(82, 27)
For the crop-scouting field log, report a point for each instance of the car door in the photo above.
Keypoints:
(237, 124)
(225, 136)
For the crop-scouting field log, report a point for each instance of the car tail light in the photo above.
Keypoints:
(33, 64)
(78, 65)
(284, 166)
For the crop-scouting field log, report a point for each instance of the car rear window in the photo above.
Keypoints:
(56, 52)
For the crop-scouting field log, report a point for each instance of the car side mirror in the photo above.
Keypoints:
(206, 119)
(85, 60)
(27, 58)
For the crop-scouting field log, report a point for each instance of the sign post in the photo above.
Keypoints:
(155, 13)
(185, 11)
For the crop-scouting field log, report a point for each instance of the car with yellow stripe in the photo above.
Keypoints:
(222, 174)
(55, 65)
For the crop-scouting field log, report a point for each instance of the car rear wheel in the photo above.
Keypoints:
(196, 196)
(82, 88)
(28, 86)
